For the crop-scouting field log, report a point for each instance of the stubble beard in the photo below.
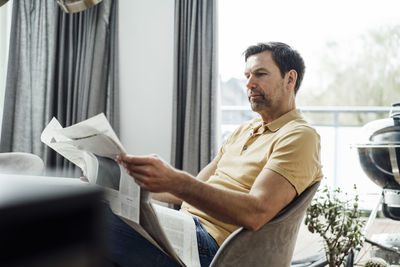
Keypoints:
(260, 103)
(264, 102)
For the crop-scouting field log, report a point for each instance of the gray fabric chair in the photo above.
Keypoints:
(273, 244)
(21, 163)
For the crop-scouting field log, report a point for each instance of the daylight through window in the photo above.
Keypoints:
(352, 56)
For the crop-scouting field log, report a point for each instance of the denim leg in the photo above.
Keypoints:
(128, 248)
(206, 244)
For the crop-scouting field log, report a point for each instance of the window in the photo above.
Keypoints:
(352, 55)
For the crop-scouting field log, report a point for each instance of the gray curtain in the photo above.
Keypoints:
(61, 65)
(195, 85)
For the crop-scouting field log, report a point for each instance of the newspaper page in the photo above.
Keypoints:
(93, 146)
(178, 245)
(181, 232)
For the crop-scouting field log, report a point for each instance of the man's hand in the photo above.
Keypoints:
(152, 173)
(171, 178)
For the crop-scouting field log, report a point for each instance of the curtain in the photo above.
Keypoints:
(195, 85)
(61, 65)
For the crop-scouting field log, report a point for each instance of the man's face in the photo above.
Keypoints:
(265, 85)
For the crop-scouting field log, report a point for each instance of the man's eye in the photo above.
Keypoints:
(259, 74)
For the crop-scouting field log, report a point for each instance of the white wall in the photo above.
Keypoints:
(146, 31)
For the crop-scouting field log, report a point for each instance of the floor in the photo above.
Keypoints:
(310, 244)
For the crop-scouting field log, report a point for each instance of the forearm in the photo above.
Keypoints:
(167, 197)
(231, 207)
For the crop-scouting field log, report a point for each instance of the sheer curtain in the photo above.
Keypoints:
(60, 65)
(195, 85)
(5, 21)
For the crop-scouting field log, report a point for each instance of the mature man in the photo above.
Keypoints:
(261, 167)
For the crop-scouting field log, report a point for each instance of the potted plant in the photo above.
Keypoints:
(337, 220)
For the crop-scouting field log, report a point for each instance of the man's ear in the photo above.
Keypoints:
(291, 79)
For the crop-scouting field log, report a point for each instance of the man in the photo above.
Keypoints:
(261, 167)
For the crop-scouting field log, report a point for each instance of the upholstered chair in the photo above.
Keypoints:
(273, 244)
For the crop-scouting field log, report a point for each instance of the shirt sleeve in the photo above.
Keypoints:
(296, 157)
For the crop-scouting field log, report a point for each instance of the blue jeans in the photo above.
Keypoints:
(128, 248)
(206, 244)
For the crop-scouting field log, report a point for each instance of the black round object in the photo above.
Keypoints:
(375, 162)
(391, 203)
(391, 212)
(380, 155)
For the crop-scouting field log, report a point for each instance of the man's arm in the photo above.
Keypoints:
(167, 198)
(203, 175)
(270, 192)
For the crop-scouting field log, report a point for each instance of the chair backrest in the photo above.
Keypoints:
(273, 244)
(21, 163)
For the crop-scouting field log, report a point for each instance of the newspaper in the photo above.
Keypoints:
(93, 146)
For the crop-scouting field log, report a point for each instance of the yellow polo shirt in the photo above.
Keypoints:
(287, 145)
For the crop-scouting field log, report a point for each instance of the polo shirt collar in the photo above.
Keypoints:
(275, 125)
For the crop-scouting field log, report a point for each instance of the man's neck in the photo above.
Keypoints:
(269, 116)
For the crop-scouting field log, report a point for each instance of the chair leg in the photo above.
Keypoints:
(350, 259)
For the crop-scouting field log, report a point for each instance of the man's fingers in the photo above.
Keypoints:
(143, 169)
(147, 171)
(139, 179)
(136, 160)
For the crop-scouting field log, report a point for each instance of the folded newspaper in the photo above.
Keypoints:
(92, 145)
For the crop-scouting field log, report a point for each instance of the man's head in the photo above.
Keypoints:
(274, 72)
(284, 57)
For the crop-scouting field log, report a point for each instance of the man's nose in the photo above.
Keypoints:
(250, 84)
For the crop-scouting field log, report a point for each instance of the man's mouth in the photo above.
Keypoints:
(255, 96)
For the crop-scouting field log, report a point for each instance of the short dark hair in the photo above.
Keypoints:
(285, 57)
